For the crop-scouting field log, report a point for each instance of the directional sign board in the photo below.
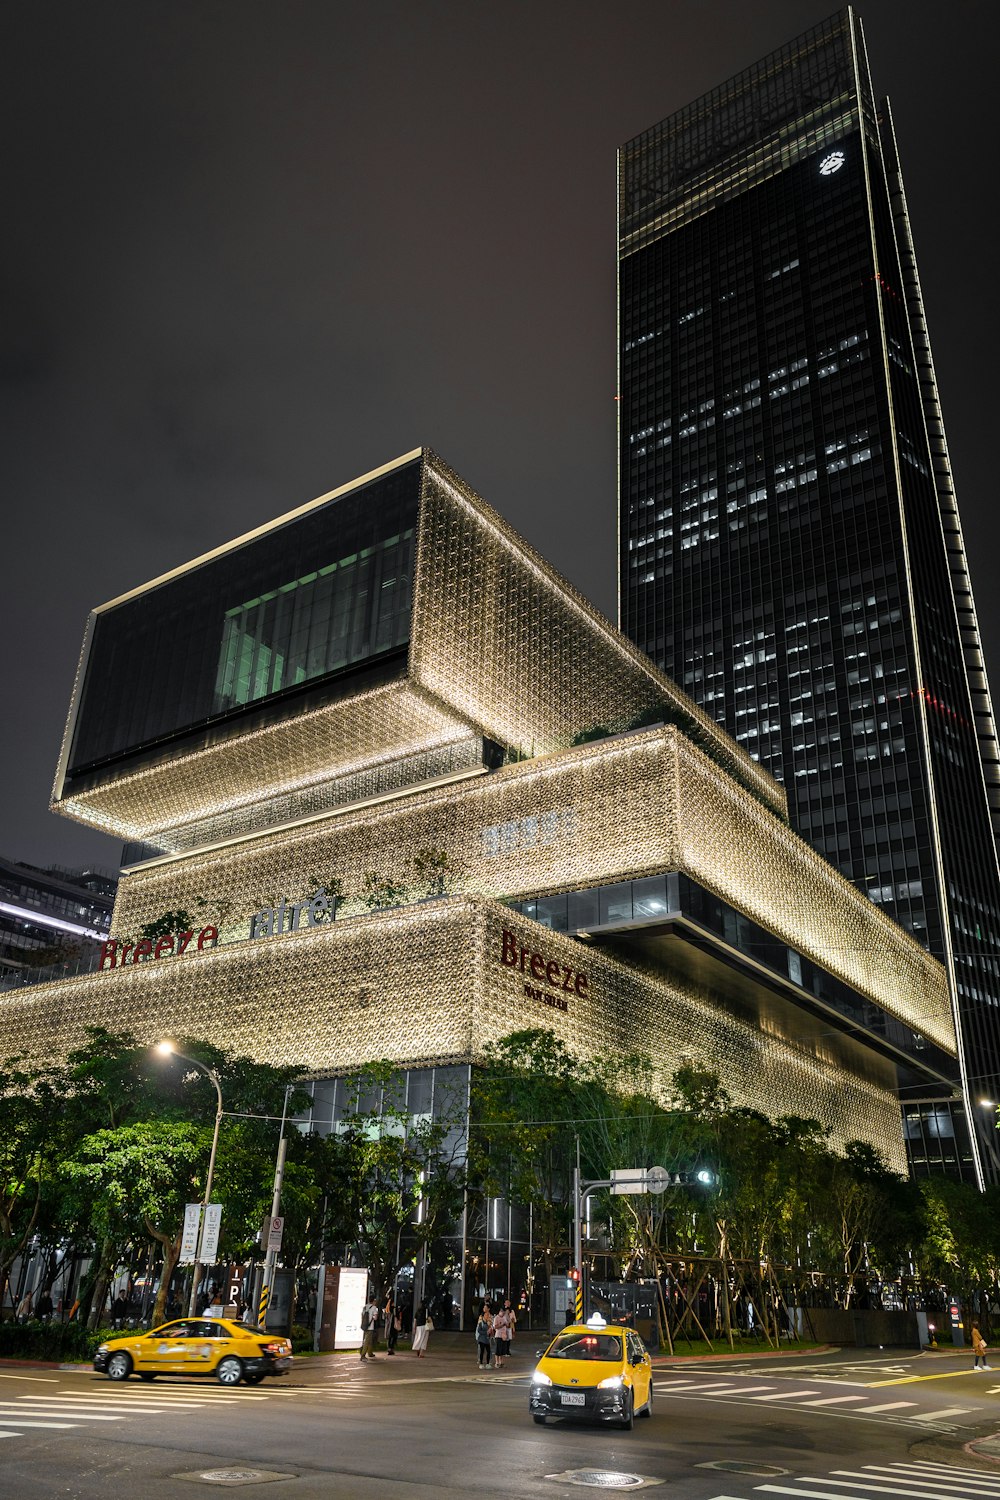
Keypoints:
(209, 1247)
(628, 1180)
(189, 1239)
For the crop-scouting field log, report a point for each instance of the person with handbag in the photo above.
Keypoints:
(484, 1332)
(978, 1348)
(503, 1332)
(423, 1327)
(393, 1324)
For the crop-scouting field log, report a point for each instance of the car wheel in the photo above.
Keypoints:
(146, 1375)
(628, 1411)
(647, 1410)
(536, 1417)
(230, 1371)
(253, 1379)
(119, 1367)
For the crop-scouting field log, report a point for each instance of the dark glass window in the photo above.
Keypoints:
(321, 594)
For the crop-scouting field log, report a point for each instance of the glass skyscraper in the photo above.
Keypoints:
(790, 547)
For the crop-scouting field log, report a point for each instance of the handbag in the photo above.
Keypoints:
(429, 1325)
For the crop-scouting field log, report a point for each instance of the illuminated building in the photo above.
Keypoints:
(52, 918)
(791, 552)
(389, 671)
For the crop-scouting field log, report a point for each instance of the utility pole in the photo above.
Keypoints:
(271, 1256)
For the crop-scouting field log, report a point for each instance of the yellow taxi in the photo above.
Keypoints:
(595, 1370)
(221, 1347)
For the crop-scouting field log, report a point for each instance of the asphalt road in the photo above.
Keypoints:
(837, 1427)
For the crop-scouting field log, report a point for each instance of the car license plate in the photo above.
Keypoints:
(573, 1398)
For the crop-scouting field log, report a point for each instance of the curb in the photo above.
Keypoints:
(668, 1361)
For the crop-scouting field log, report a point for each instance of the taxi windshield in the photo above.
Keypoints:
(605, 1347)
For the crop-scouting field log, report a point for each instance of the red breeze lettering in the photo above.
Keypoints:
(559, 976)
(136, 953)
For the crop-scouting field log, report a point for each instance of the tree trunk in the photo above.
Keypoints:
(171, 1250)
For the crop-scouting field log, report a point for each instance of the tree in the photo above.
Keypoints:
(140, 1176)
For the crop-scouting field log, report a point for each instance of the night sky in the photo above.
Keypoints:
(252, 250)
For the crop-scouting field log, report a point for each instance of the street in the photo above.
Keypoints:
(866, 1424)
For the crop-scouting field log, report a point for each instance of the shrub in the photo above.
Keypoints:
(49, 1341)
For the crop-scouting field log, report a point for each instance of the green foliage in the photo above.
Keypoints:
(434, 872)
(385, 1172)
(594, 732)
(55, 1342)
(166, 924)
(377, 892)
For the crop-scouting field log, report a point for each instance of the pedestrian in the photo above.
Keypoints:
(393, 1324)
(484, 1332)
(978, 1348)
(503, 1332)
(423, 1327)
(44, 1309)
(369, 1323)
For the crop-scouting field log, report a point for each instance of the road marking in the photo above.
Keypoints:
(57, 1426)
(940, 1416)
(833, 1401)
(39, 1379)
(890, 1406)
(12, 1414)
(916, 1379)
(882, 1471)
(794, 1396)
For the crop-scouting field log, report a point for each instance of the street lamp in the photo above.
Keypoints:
(167, 1049)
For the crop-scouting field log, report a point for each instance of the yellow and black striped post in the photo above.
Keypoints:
(578, 1305)
(265, 1297)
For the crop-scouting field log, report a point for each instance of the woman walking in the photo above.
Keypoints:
(392, 1324)
(484, 1330)
(422, 1329)
(978, 1348)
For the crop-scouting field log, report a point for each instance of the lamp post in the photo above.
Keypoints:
(167, 1049)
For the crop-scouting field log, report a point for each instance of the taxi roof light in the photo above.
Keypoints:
(596, 1321)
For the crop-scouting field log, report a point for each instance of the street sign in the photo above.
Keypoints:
(209, 1249)
(657, 1179)
(271, 1237)
(628, 1180)
(189, 1238)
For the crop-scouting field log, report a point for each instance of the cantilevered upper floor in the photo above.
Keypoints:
(392, 633)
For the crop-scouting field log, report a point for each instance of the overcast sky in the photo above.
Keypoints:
(255, 248)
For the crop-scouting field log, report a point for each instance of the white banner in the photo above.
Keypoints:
(189, 1239)
(209, 1250)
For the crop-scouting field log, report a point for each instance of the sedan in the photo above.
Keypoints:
(221, 1347)
(597, 1371)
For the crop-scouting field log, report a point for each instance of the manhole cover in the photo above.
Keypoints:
(234, 1476)
(605, 1479)
(733, 1466)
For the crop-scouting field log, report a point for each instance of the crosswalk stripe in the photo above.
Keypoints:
(832, 1400)
(881, 1489)
(47, 1411)
(883, 1471)
(56, 1426)
(941, 1416)
(924, 1467)
(784, 1396)
(891, 1406)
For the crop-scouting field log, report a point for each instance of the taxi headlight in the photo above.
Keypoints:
(613, 1383)
(103, 1348)
(540, 1378)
